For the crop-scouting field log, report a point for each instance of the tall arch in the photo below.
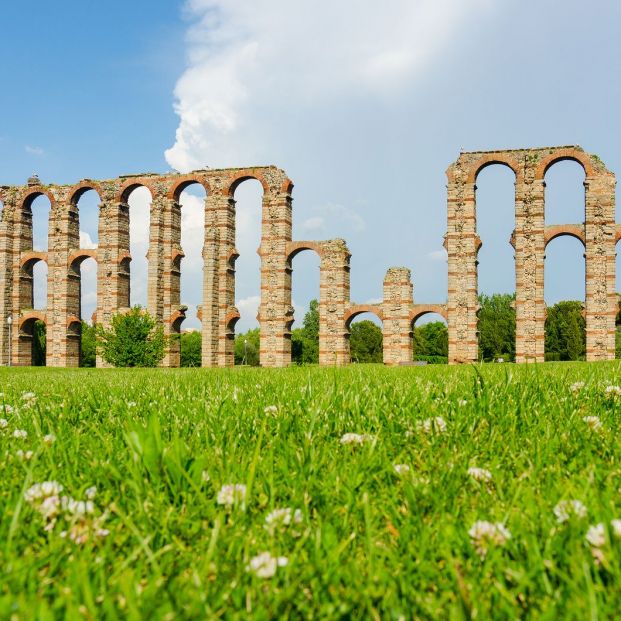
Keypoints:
(376, 349)
(430, 336)
(139, 200)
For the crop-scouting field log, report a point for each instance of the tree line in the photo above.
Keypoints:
(135, 339)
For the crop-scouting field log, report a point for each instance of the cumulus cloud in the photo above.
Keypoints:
(251, 63)
(86, 242)
(438, 255)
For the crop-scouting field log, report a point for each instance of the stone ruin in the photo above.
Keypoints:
(218, 313)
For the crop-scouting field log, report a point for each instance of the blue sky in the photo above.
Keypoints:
(364, 104)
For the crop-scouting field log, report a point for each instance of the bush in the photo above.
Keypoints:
(135, 339)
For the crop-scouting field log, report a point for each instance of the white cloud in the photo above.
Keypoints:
(250, 63)
(438, 255)
(38, 151)
(86, 242)
(316, 223)
(248, 309)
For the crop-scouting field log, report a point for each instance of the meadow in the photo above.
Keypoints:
(474, 492)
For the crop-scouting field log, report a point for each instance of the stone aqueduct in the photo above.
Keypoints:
(218, 313)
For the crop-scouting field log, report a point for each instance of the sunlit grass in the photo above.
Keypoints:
(366, 541)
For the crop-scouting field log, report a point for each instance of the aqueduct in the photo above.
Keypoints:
(218, 313)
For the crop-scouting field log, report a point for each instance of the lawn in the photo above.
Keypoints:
(428, 492)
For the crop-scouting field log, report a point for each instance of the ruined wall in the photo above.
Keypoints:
(529, 240)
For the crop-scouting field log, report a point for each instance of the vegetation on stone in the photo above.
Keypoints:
(364, 492)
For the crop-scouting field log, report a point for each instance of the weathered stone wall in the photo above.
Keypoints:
(529, 239)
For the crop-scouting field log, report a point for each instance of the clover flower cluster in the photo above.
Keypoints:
(567, 509)
(231, 495)
(596, 538)
(282, 519)
(355, 438)
(78, 516)
(593, 423)
(480, 474)
(485, 535)
(432, 425)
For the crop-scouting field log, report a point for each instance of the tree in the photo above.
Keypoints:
(497, 326)
(431, 341)
(134, 339)
(39, 349)
(247, 348)
(88, 345)
(310, 334)
(365, 342)
(190, 344)
(565, 332)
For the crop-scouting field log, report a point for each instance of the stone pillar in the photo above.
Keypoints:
(396, 309)
(170, 283)
(114, 259)
(529, 246)
(6, 273)
(219, 255)
(155, 257)
(333, 303)
(462, 244)
(63, 292)
(601, 298)
(275, 311)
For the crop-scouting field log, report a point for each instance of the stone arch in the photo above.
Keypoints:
(559, 230)
(24, 338)
(564, 154)
(419, 310)
(237, 179)
(183, 183)
(132, 184)
(79, 189)
(491, 159)
(357, 310)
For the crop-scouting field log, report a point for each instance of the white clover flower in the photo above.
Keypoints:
(576, 387)
(596, 535)
(40, 491)
(90, 492)
(432, 425)
(28, 396)
(480, 474)
(264, 565)
(49, 439)
(205, 476)
(282, 518)
(24, 455)
(401, 469)
(613, 391)
(462, 402)
(9, 409)
(271, 409)
(4, 423)
(50, 507)
(77, 508)
(20, 434)
(230, 495)
(131, 404)
(615, 525)
(355, 438)
(484, 534)
(593, 423)
(566, 509)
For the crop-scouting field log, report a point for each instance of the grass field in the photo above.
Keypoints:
(468, 525)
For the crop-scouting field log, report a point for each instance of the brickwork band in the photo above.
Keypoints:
(218, 314)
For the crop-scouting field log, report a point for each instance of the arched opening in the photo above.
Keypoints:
(88, 218)
(32, 342)
(39, 285)
(564, 193)
(88, 310)
(40, 208)
(365, 338)
(495, 215)
(564, 274)
(139, 200)
(189, 266)
(304, 265)
(248, 197)
(430, 338)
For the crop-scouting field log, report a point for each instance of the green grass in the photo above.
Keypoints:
(371, 543)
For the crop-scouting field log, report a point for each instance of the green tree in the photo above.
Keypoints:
(310, 334)
(39, 348)
(190, 344)
(365, 342)
(88, 345)
(565, 332)
(297, 345)
(431, 341)
(247, 348)
(134, 339)
(497, 326)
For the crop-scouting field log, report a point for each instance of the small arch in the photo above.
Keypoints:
(32, 193)
(29, 259)
(559, 230)
(490, 159)
(353, 312)
(564, 154)
(183, 183)
(246, 175)
(31, 337)
(420, 310)
(130, 186)
(564, 192)
(430, 340)
(295, 247)
(32, 315)
(81, 188)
